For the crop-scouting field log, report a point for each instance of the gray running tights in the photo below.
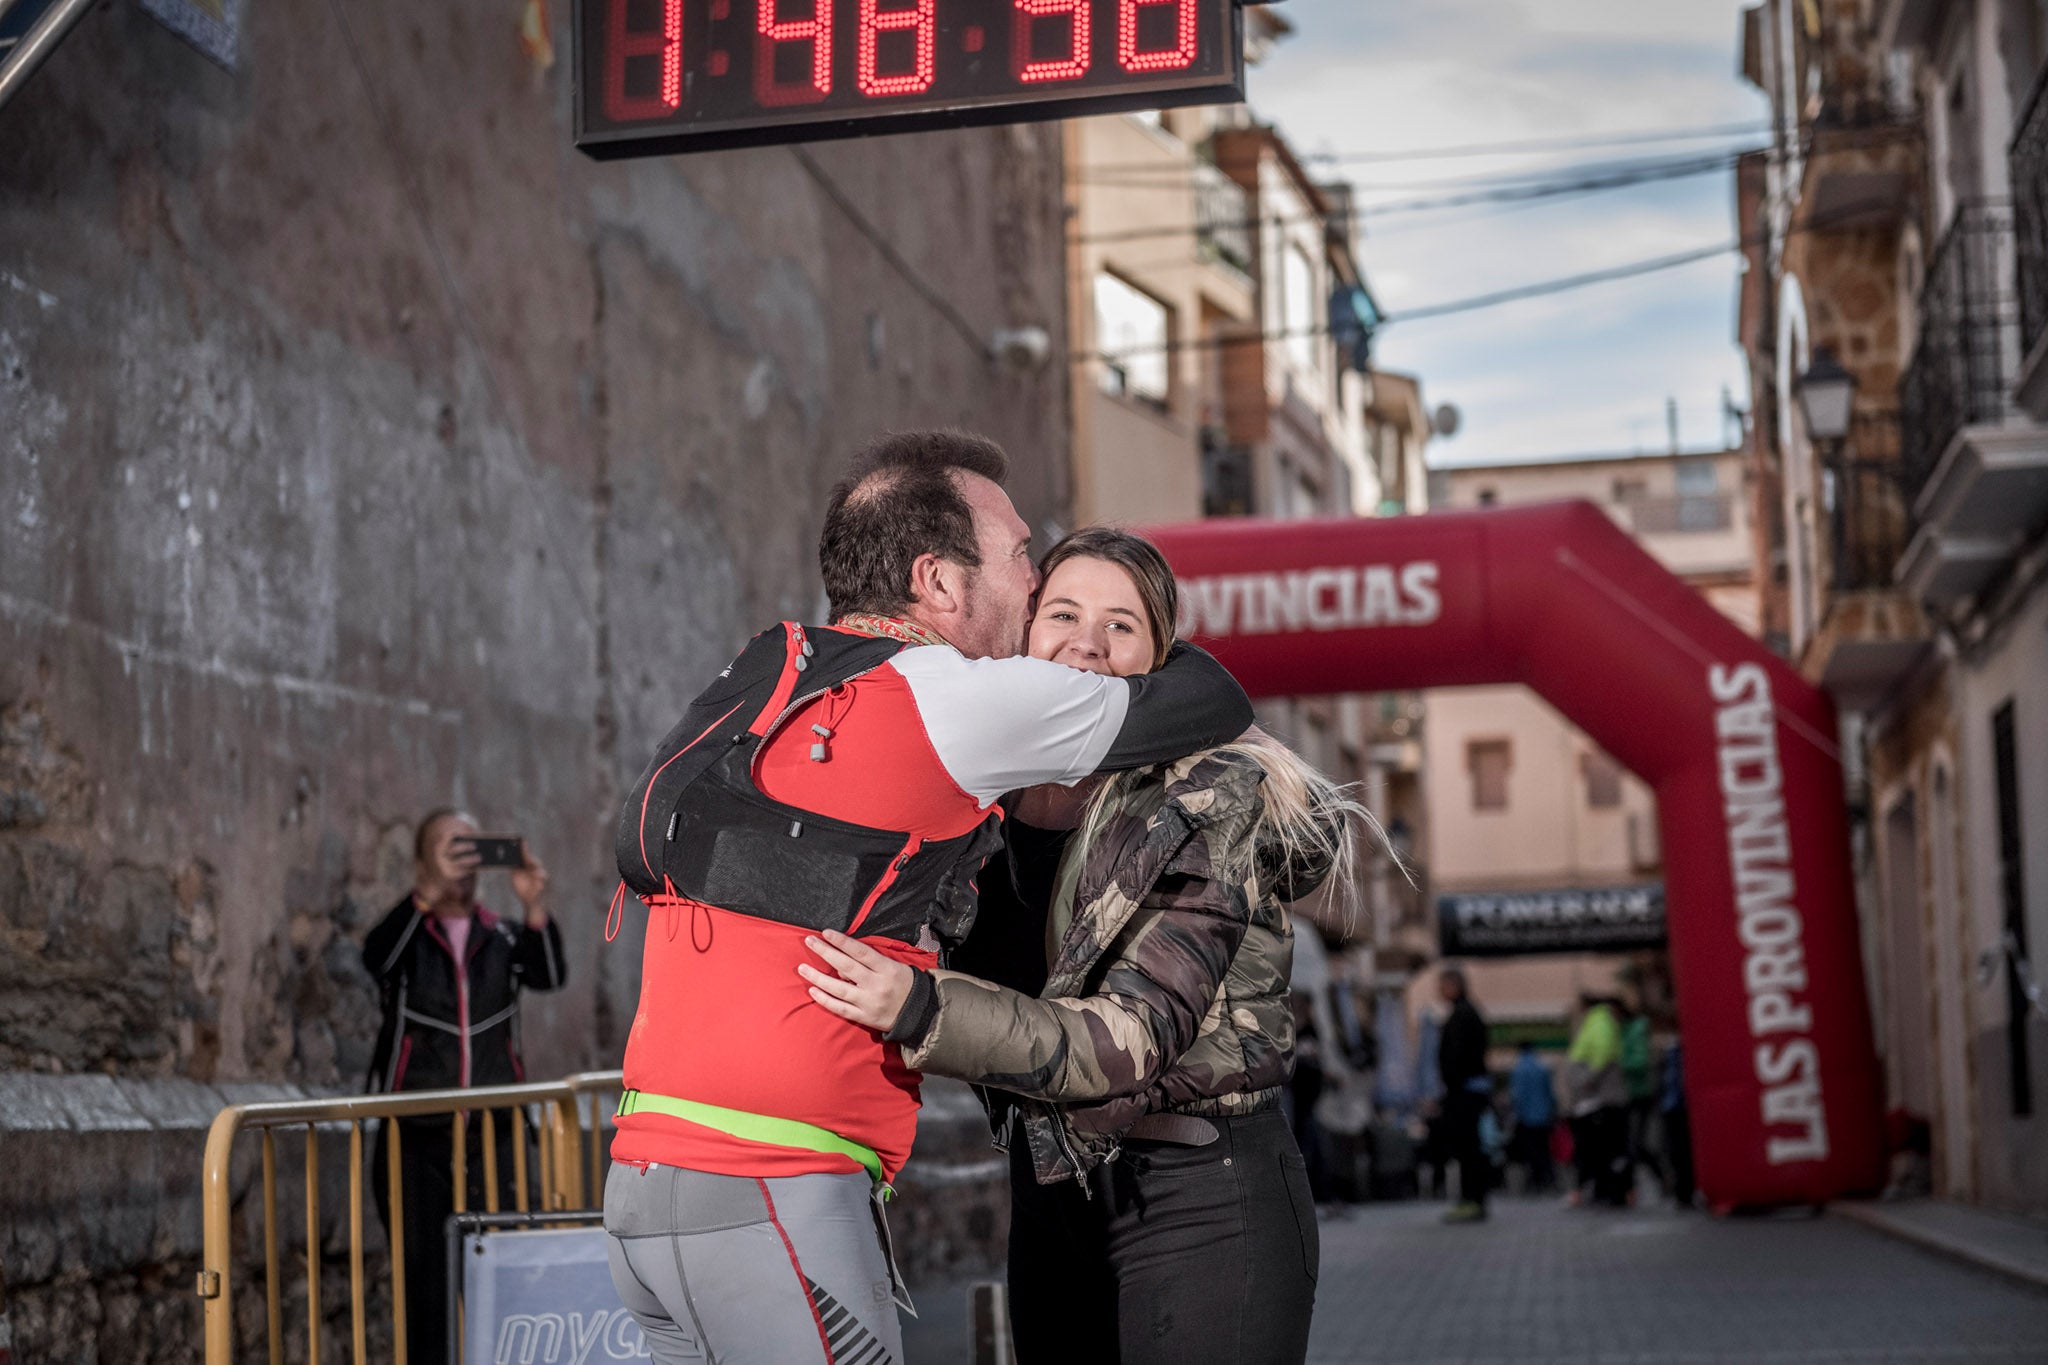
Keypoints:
(732, 1270)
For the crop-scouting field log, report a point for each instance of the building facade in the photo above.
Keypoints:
(1521, 802)
(1221, 326)
(1899, 240)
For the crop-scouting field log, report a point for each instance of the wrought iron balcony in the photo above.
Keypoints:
(1866, 506)
(2030, 216)
(1223, 214)
(1962, 370)
(1680, 514)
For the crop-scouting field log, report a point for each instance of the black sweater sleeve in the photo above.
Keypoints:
(537, 957)
(1190, 703)
(384, 947)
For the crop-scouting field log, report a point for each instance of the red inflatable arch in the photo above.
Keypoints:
(1781, 1076)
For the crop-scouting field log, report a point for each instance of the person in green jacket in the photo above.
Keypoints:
(1639, 1076)
(1599, 1103)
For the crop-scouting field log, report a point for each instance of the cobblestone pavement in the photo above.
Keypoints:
(1541, 1284)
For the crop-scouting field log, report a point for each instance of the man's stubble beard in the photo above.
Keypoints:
(982, 633)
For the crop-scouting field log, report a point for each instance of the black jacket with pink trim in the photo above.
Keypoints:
(443, 1029)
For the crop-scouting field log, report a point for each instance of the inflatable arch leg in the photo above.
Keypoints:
(1781, 1076)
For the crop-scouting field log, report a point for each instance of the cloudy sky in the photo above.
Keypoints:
(1579, 372)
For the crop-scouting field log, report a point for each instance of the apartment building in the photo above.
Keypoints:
(1521, 803)
(1896, 323)
(1222, 329)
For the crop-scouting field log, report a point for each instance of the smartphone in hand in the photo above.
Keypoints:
(497, 850)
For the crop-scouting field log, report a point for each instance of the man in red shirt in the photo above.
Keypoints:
(842, 777)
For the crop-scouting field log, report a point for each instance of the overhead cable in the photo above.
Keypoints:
(1503, 195)
(1575, 142)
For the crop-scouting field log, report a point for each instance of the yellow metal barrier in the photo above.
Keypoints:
(570, 1160)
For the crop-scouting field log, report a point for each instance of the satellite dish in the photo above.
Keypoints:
(1446, 421)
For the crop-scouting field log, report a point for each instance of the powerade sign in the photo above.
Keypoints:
(1603, 919)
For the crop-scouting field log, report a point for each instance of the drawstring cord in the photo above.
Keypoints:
(615, 917)
(673, 901)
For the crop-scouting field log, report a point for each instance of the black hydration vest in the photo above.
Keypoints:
(696, 827)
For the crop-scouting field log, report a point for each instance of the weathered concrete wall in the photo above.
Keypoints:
(363, 447)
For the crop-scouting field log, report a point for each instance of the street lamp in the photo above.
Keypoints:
(1826, 392)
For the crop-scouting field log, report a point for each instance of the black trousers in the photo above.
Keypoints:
(426, 1153)
(1600, 1152)
(1172, 1255)
(1530, 1147)
(1678, 1153)
(1462, 1109)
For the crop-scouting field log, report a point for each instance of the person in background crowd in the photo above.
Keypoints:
(450, 972)
(1461, 1061)
(1599, 1104)
(1535, 1101)
(1639, 1076)
(1677, 1125)
(1304, 1088)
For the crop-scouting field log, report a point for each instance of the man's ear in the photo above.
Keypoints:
(934, 583)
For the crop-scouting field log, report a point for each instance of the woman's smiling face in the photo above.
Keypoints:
(1091, 617)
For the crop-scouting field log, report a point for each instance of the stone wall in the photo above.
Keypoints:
(101, 1218)
(363, 448)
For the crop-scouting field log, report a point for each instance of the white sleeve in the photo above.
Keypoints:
(1000, 724)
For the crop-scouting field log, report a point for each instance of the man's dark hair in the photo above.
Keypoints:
(899, 501)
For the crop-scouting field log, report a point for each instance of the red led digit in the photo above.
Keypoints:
(775, 31)
(1065, 68)
(622, 42)
(875, 21)
(1171, 59)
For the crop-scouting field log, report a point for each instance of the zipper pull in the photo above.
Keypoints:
(818, 752)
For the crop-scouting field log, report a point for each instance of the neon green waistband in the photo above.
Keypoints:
(755, 1128)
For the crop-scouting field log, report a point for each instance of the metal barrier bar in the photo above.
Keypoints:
(312, 1245)
(490, 1164)
(560, 1180)
(273, 1306)
(358, 1327)
(395, 1176)
(519, 1159)
(461, 1141)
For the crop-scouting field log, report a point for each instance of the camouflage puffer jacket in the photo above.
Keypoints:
(1168, 991)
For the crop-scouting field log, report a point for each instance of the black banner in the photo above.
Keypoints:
(1596, 919)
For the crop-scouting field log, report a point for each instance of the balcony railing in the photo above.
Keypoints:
(1961, 372)
(1686, 512)
(2030, 216)
(1868, 524)
(1223, 214)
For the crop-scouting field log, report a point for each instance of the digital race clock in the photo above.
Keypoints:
(661, 76)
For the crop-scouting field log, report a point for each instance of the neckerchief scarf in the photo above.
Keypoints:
(890, 628)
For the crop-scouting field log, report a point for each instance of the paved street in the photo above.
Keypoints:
(1545, 1285)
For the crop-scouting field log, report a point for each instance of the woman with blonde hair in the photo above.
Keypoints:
(1123, 1002)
